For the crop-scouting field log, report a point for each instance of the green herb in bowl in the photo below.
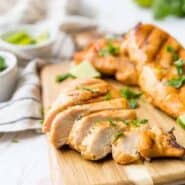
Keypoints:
(3, 65)
(24, 38)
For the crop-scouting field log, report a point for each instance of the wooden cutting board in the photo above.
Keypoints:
(69, 168)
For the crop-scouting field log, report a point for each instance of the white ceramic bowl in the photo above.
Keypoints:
(43, 49)
(8, 77)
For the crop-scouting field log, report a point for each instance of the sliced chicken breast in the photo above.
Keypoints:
(78, 92)
(98, 142)
(82, 126)
(125, 147)
(64, 121)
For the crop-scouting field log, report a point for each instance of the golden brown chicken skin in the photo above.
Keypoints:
(158, 57)
(106, 56)
(83, 118)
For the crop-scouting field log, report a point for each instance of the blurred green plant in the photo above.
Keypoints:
(164, 8)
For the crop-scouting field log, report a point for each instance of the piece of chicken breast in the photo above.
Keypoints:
(64, 120)
(81, 127)
(98, 141)
(125, 147)
(107, 57)
(155, 52)
(78, 92)
(154, 144)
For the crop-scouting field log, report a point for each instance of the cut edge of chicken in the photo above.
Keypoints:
(104, 132)
(125, 147)
(67, 118)
(159, 144)
(79, 94)
(81, 127)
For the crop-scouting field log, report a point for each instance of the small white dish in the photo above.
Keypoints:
(43, 49)
(8, 77)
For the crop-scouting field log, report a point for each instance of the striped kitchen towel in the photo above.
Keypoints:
(24, 110)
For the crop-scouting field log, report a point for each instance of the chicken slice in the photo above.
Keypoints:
(98, 142)
(81, 127)
(64, 120)
(78, 92)
(125, 148)
(154, 144)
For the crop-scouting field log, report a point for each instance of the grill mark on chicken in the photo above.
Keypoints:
(160, 48)
(141, 39)
(152, 43)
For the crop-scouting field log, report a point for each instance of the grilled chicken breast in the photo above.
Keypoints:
(108, 58)
(97, 143)
(88, 122)
(65, 119)
(78, 92)
(81, 127)
(125, 147)
(154, 144)
(155, 52)
(145, 56)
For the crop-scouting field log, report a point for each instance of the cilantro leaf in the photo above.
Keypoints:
(118, 135)
(172, 50)
(109, 50)
(133, 103)
(108, 96)
(137, 122)
(176, 82)
(60, 78)
(181, 121)
(2, 64)
(179, 64)
(129, 94)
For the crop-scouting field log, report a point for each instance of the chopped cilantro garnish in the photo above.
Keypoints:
(133, 103)
(179, 64)
(118, 135)
(110, 49)
(181, 121)
(176, 82)
(136, 122)
(108, 96)
(171, 50)
(63, 77)
(2, 64)
(131, 96)
(112, 123)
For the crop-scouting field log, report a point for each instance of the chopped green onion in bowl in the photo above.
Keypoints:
(3, 65)
(24, 38)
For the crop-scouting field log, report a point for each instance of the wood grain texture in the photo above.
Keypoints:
(69, 168)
